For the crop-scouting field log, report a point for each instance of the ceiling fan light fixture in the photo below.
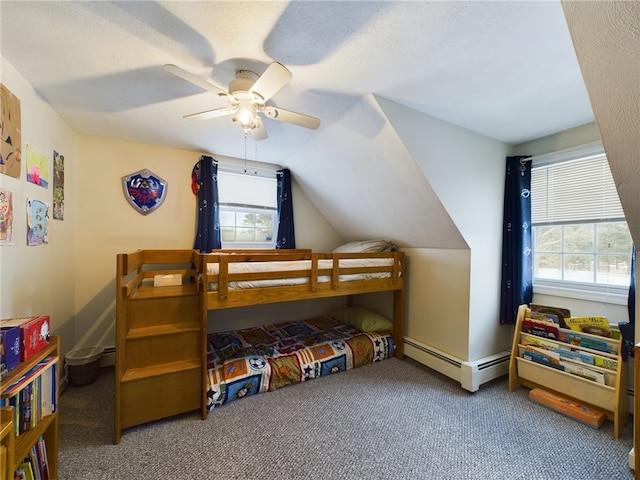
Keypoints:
(247, 96)
(246, 116)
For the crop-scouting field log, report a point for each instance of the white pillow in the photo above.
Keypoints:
(367, 246)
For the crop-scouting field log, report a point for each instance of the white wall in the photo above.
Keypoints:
(40, 280)
(109, 225)
(438, 299)
(466, 170)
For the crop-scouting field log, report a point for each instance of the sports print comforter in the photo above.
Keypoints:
(256, 360)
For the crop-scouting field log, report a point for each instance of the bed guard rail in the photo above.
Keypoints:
(223, 271)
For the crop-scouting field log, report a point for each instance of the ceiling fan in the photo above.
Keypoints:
(247, 96)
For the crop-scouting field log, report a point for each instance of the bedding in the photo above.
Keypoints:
(261, 359)
(297, 266)
(363, 319)
(367, 246)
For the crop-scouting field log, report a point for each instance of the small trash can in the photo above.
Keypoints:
(83, 365)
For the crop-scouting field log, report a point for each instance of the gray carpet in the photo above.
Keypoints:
(390, 420)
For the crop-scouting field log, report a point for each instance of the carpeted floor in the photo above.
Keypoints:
(390, 420)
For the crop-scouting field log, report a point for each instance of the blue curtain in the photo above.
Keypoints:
(631, 302)
(204, 182)
(628, 329)
(517, 270)
(286, 237)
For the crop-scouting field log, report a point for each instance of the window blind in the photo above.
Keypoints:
(247, 190)
(580, 190)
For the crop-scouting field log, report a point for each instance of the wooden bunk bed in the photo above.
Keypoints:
(161, 331)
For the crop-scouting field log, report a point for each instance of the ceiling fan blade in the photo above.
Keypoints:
(294, 118)
(209, 114)
(273, 79)
(259, 132)
(196, 80)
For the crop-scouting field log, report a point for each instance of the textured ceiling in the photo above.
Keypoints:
(607, 39)
(506, 70)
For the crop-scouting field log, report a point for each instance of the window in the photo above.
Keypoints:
(581, 240)
(248, 210)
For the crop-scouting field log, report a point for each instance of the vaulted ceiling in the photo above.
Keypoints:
(506, 70)
(473, 64)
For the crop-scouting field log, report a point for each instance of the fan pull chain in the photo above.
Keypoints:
(245, 151)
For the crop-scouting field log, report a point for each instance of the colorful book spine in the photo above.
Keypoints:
(541, 359)
(608, 363)
(27, 398)
(28, 377)
(577, 356)
(43, 461)
(584, 372)
(584, 341)
(540, 329)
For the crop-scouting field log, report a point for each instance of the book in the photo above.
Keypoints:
(565, 351)
(550, 356)
(42, 459)
(583, 372)
(593, 325)
(558, 312)
(25, 395)
(19, 473)
(540, 329)
(29, 376)
(540, 342)
(25, 472)
(25, 408)
(34, 334)
(542, 359)
(35, 462)
(544, 317)
(589, 341)
(578, 356)
(47, 393)
(603, 362)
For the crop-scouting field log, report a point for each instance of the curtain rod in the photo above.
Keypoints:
(585, 150)
(247, 168)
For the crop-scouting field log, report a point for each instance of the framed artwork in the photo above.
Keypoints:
(6, 217)
(37, 167)
(11, 133)
(144, 190)
(58, 186)
(37, 222)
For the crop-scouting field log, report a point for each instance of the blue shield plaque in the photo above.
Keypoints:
(144, 190)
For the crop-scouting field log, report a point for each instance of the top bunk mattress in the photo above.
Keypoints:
(213, 268)
(256, 360)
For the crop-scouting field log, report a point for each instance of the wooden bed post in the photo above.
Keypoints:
(203, 287)
(398, 322)
(121, 314)
(350, 300)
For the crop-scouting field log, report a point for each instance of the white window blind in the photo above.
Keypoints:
(247, 190)
(579, 190)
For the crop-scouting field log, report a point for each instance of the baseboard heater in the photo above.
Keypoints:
(470, 374)
(108, 357)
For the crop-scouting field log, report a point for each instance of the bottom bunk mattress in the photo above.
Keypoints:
(256, 360)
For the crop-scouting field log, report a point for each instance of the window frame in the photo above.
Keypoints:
(239, 172)
(613, 294)
(224, 207)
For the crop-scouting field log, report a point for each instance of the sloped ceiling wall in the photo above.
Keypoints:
(606, 38)
(377, 189)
